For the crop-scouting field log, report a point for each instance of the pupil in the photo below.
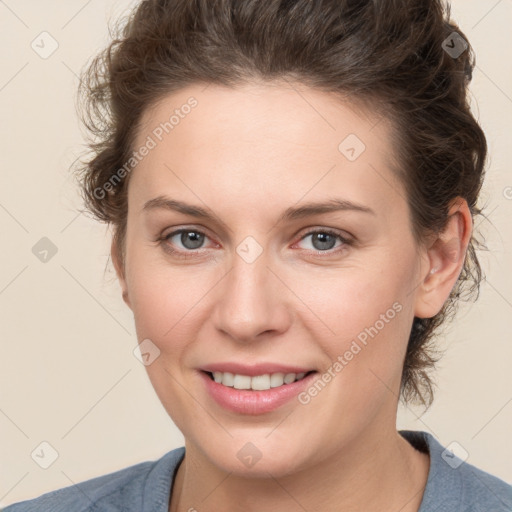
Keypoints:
(323, 237)
(195, 238)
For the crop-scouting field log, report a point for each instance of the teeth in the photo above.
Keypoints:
(276, 379)
(258, 382)
(241, 382)
(289, 378)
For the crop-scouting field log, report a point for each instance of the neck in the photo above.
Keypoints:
(373, 473)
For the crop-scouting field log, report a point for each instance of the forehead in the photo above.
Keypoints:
(275, 112)
(275, 139)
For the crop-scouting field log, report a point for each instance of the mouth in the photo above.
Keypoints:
(257, 393)
(261, 382)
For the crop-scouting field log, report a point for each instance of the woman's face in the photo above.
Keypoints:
(263, 279)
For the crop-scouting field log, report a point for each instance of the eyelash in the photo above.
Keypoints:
(190, 254)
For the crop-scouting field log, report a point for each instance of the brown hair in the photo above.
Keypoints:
(393, 55)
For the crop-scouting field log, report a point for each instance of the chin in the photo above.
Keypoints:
(259, 458)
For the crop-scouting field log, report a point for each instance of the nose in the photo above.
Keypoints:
(252, 302)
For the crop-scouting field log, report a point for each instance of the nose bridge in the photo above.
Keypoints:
(252, 299)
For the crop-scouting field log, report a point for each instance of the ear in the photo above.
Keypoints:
(446, 255)
(120, 271)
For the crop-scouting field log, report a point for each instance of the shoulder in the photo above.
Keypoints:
(143, 486)
(482, 491)
(456, 485)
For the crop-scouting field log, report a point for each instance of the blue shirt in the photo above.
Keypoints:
(452, 486)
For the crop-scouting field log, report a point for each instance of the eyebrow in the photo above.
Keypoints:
(292, 213)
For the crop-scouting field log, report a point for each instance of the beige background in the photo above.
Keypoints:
(68, 375)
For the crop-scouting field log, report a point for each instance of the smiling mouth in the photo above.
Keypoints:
(258, 382)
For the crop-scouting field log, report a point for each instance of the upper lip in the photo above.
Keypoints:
(253, 370)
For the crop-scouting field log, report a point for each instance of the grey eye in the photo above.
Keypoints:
(188, 238)
(322, 240)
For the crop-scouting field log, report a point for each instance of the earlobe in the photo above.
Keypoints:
(116, 260)
(446, 257)
(126, 298)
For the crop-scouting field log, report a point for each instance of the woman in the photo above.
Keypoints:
(293, 187)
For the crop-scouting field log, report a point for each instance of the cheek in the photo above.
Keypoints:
(161, 302)
(361, 320)
(167, 309)
(338, 307)
(346, 303)
(365, 356)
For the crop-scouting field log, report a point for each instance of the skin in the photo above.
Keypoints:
(247, 154)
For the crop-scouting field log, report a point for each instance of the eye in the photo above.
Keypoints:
(323, 240)
(190, 239)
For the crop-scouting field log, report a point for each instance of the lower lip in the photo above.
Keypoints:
(245, 401)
